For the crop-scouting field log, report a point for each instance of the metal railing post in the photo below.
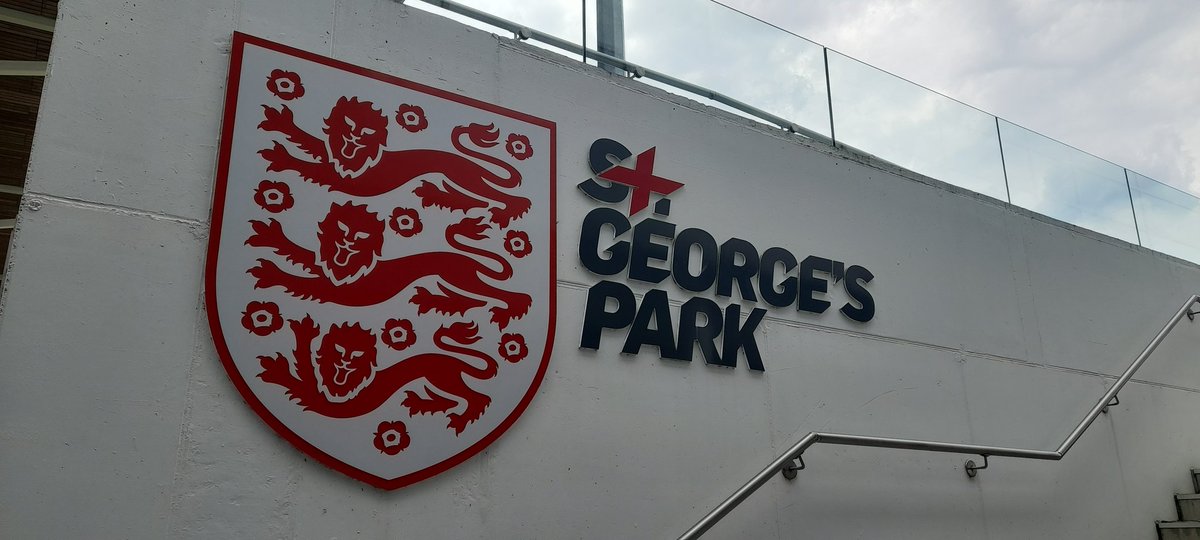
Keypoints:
(1132, 207)
(610, 32)
(1003, 164)
(829, 96)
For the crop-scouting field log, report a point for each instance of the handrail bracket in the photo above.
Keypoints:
(1115, 401)
(973, 469)
(789, 471)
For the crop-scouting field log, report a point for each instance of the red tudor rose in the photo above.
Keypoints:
(517, 243)
(262, 318)
(518, 146)
(406, 222)
(274, 197)
(513, 348)
(411, 118)
(398, 334)
(285, 85)
(391, 438)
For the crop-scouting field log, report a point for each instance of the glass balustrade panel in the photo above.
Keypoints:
(1168, 219)
(714, 47)
(914, 127)
(1065, 183)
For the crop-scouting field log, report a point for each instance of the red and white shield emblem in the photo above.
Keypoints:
(380, 276)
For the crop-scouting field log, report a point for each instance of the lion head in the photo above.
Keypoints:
(351, 239)
(345, 362)
(355, 135)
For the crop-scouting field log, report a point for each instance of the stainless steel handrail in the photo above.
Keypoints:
(524, 32)
(796, 450)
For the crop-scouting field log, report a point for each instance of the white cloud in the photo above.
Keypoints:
(1114, 78)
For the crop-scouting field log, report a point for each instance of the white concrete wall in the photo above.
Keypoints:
(993, 326)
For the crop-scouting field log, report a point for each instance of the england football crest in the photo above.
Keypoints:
(380, 275)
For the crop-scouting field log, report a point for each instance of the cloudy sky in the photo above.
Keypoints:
(1119, 79)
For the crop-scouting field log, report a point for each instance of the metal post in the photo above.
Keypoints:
(610, 32)
(1003, 164)
(829, 97)
(1133, 207)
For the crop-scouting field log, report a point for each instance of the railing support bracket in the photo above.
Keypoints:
(789, 471)
(1192, 315)
(973, 469)
(1115, 401)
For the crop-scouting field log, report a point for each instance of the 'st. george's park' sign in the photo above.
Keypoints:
(657, 249)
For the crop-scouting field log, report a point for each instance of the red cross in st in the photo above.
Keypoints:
(641, 178)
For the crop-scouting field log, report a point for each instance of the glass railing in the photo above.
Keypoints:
(832, 96)
(1051, 178)
(1168, 219)
(763, 66)
(914, 128)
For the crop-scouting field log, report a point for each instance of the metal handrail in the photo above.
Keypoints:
(783, 462)
(523, 32)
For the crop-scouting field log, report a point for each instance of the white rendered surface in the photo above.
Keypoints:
(993, 326)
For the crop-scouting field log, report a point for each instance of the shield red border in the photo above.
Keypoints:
(240, 40)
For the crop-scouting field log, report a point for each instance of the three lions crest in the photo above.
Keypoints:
(381, 270)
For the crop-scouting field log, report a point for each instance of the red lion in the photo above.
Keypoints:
(351, 159)
(346, 268)
(343, 379)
